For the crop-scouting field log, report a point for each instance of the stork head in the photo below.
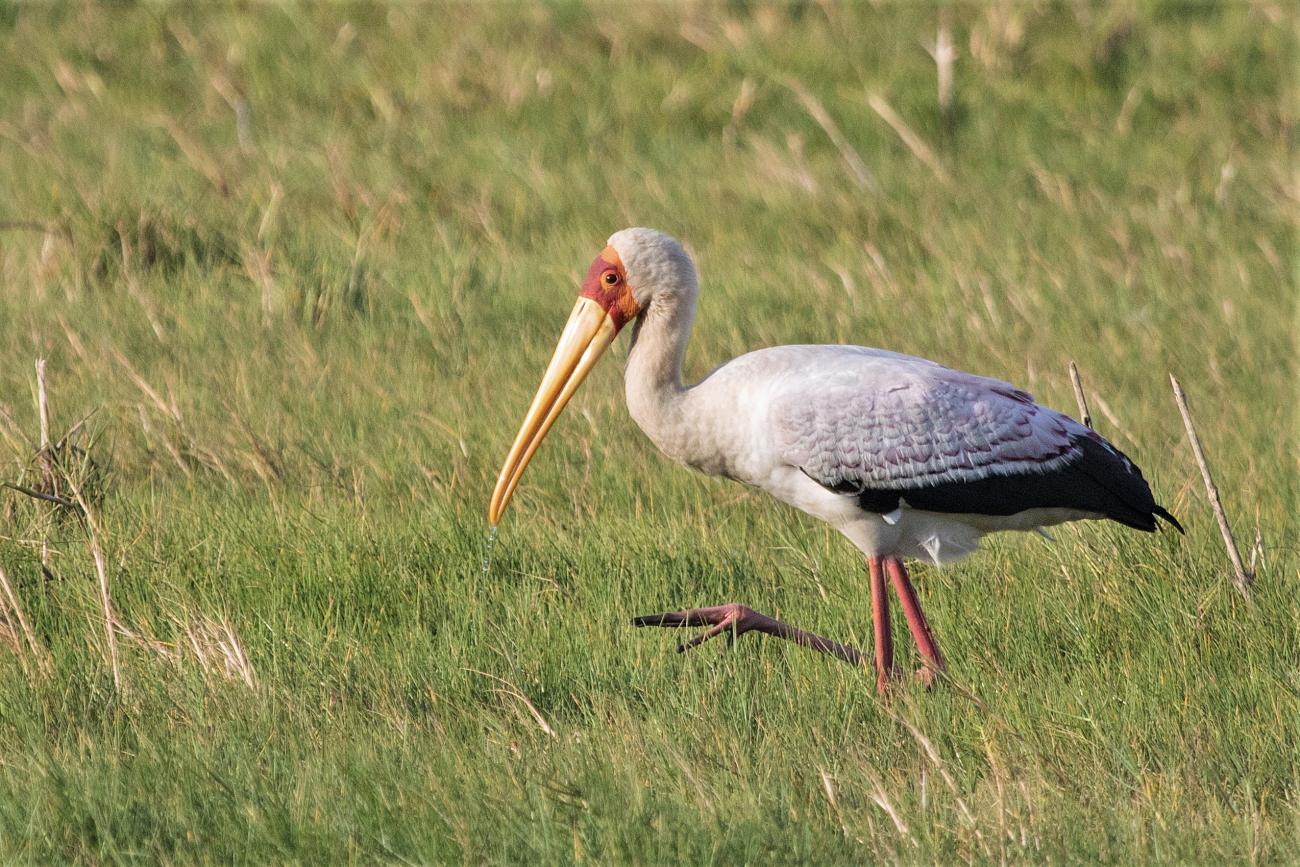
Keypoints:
(656, 264)
(636, 266)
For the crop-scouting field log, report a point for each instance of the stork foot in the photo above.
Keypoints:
(735, 619)
(732, 618)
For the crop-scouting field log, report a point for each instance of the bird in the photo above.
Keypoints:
(905, 457)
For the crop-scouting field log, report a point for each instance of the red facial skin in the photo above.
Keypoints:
(606, 284)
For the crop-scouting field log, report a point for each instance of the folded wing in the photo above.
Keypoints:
(893, 430)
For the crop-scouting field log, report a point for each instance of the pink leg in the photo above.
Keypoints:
(880, 624)
(916, 620)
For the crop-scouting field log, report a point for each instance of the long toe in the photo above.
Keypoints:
(712, 616)
(736, 619)
(732, 618)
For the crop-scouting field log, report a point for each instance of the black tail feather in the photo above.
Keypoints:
(1101, 480)
(1164, 513)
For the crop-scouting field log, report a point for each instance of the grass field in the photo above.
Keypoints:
(296, 272)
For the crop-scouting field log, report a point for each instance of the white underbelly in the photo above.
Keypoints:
(939, 537)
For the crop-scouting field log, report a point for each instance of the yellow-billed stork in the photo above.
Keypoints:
(905, 457)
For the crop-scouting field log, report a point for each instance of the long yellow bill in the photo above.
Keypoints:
(586, 336)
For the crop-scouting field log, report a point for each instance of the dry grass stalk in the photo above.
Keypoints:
(933, 755)
(217, 649)
(188, 450)
(196, 154)
(739, 109)
(1242, 577)
(42, 404)
(257, 265)
(75, 486)
(1256, 549)
(1124, 120)
(54, 229)
(1079, 396)
(828, 786)
(880, 798)
(507, 688)
(788, 168)
(54, 462)
(41, 495)
(944, 54)
(51, 236)
(234, 96)
(211, 643)
(1112, 419)
(914, 142)
(16, 631)
(858, 170)
(167, 409)
(12, 431)
(105, 598)
(11, 638)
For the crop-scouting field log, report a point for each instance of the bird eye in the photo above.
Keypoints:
(610, 278)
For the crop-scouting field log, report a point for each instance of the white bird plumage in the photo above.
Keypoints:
(813, 424)
(907, 458)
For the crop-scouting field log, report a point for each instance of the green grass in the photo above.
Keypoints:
(303, 355)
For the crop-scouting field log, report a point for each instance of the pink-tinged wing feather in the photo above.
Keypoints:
(898, 422)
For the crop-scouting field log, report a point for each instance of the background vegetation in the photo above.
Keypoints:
(296, 270)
